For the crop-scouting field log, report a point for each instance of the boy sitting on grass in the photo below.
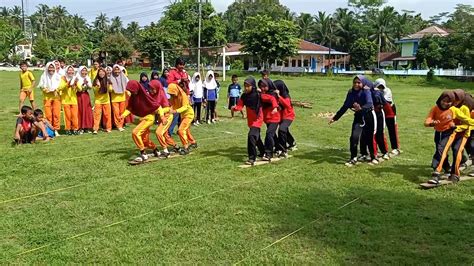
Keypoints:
(27, 128)
(44, 124)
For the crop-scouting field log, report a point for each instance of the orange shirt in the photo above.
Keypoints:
(445, 118)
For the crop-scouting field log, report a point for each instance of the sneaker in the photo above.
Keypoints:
(208, 122)
(436, 174)
(165, 154)
(266, 158)
(435, 180)
(121, 129)
(141, 158)
(69, 132)
(250, 162)
(214, 121)
(75, 132)
(183, 151)
(351, 162)
(156, 153)
(193, 146)
(195, 124)
(56, 133)
(278, 153)
(374, 161)
(454, 178)
(108, 131)
(364, 158)
(175, 149)
(395, 152)
(283, 155)
(81, 132)
(261, 155)
(94, 132)
(386, 156)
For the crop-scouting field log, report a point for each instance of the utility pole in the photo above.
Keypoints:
(22, 16)
(199, 38)
(378, 54)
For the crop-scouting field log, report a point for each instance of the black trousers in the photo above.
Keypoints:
(441, 139)
(367, 137)
(392, 128)
(282, 138)
(270, 138)
(254, 142)
(197, 111)
(210, 110)
(379, 134)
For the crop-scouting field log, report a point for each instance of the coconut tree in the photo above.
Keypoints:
(305, 22)
(346, 28)
(101, 22)
(116, 25)
(58, 15)
(383, 25)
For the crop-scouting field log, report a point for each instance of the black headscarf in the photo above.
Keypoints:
(154, 73)
(252, 99)
(282, 88)
(271, 88)
(146, 83)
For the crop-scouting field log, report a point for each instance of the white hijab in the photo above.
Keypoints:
(196, 86)
(210, 84)
(69, 79)
(49, 82)
(82, 80)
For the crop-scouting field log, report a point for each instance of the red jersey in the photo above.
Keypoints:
(270, 103)
(288, 112)
(252, 119)
(175, 76)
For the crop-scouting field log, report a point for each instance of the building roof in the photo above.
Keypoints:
(433, 31)
(304, 47)
(388, 56)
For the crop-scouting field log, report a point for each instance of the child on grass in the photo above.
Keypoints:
(359, 99)
(27, 129)
(69, 101)
(102, 88)
(143, 105)
(43, 124)
(271, 115)
(460, 125)
(390, 111)
(49, 84)
(119, 82)
(27, 84)
(285, 139)
(233, 94)
(82, 83)
(210, 96)
(252, 101)
(197, 92)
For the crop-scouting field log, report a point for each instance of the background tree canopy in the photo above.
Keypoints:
(374, 20)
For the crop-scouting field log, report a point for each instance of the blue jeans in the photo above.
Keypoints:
(174, 123)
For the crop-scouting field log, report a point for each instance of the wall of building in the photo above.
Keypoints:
(408, 49)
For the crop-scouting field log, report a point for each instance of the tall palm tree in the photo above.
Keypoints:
(5, 12)
(323, 29)
(346, 28)
(132, 30)
(43, 13)
(101, 22)
(58, 15)
(383, 24)
(15, 15)
(305, 22)
(116, 25)
(78, 24)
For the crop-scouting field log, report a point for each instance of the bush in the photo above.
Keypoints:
(237, 65)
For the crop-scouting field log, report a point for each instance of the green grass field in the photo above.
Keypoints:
(76, 200)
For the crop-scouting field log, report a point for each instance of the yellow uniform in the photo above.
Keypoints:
(26, 81)
(69, 102)
(102, 105)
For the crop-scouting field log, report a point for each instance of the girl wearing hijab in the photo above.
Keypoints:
(109, 70)
(359, 99)
(180, 105)
(210, 96)
(69, 101)
(143, 105)
(271, 116)
(390, 111)
(102, 87)
(379, 102)
(144, 81)
(119, 84)
(165, 118)
(49, 84)
(460, 122)
(196, 89)
(154, 75)
(252, 101)
(287, 116)
(82, 83)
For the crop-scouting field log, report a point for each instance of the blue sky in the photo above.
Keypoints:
(146, 11)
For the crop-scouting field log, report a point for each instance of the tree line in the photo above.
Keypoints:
(267, 29)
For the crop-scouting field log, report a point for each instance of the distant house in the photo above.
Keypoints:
(386, 59)
(137, 58)
(24, 50)
(410, 44)
(311, 57)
